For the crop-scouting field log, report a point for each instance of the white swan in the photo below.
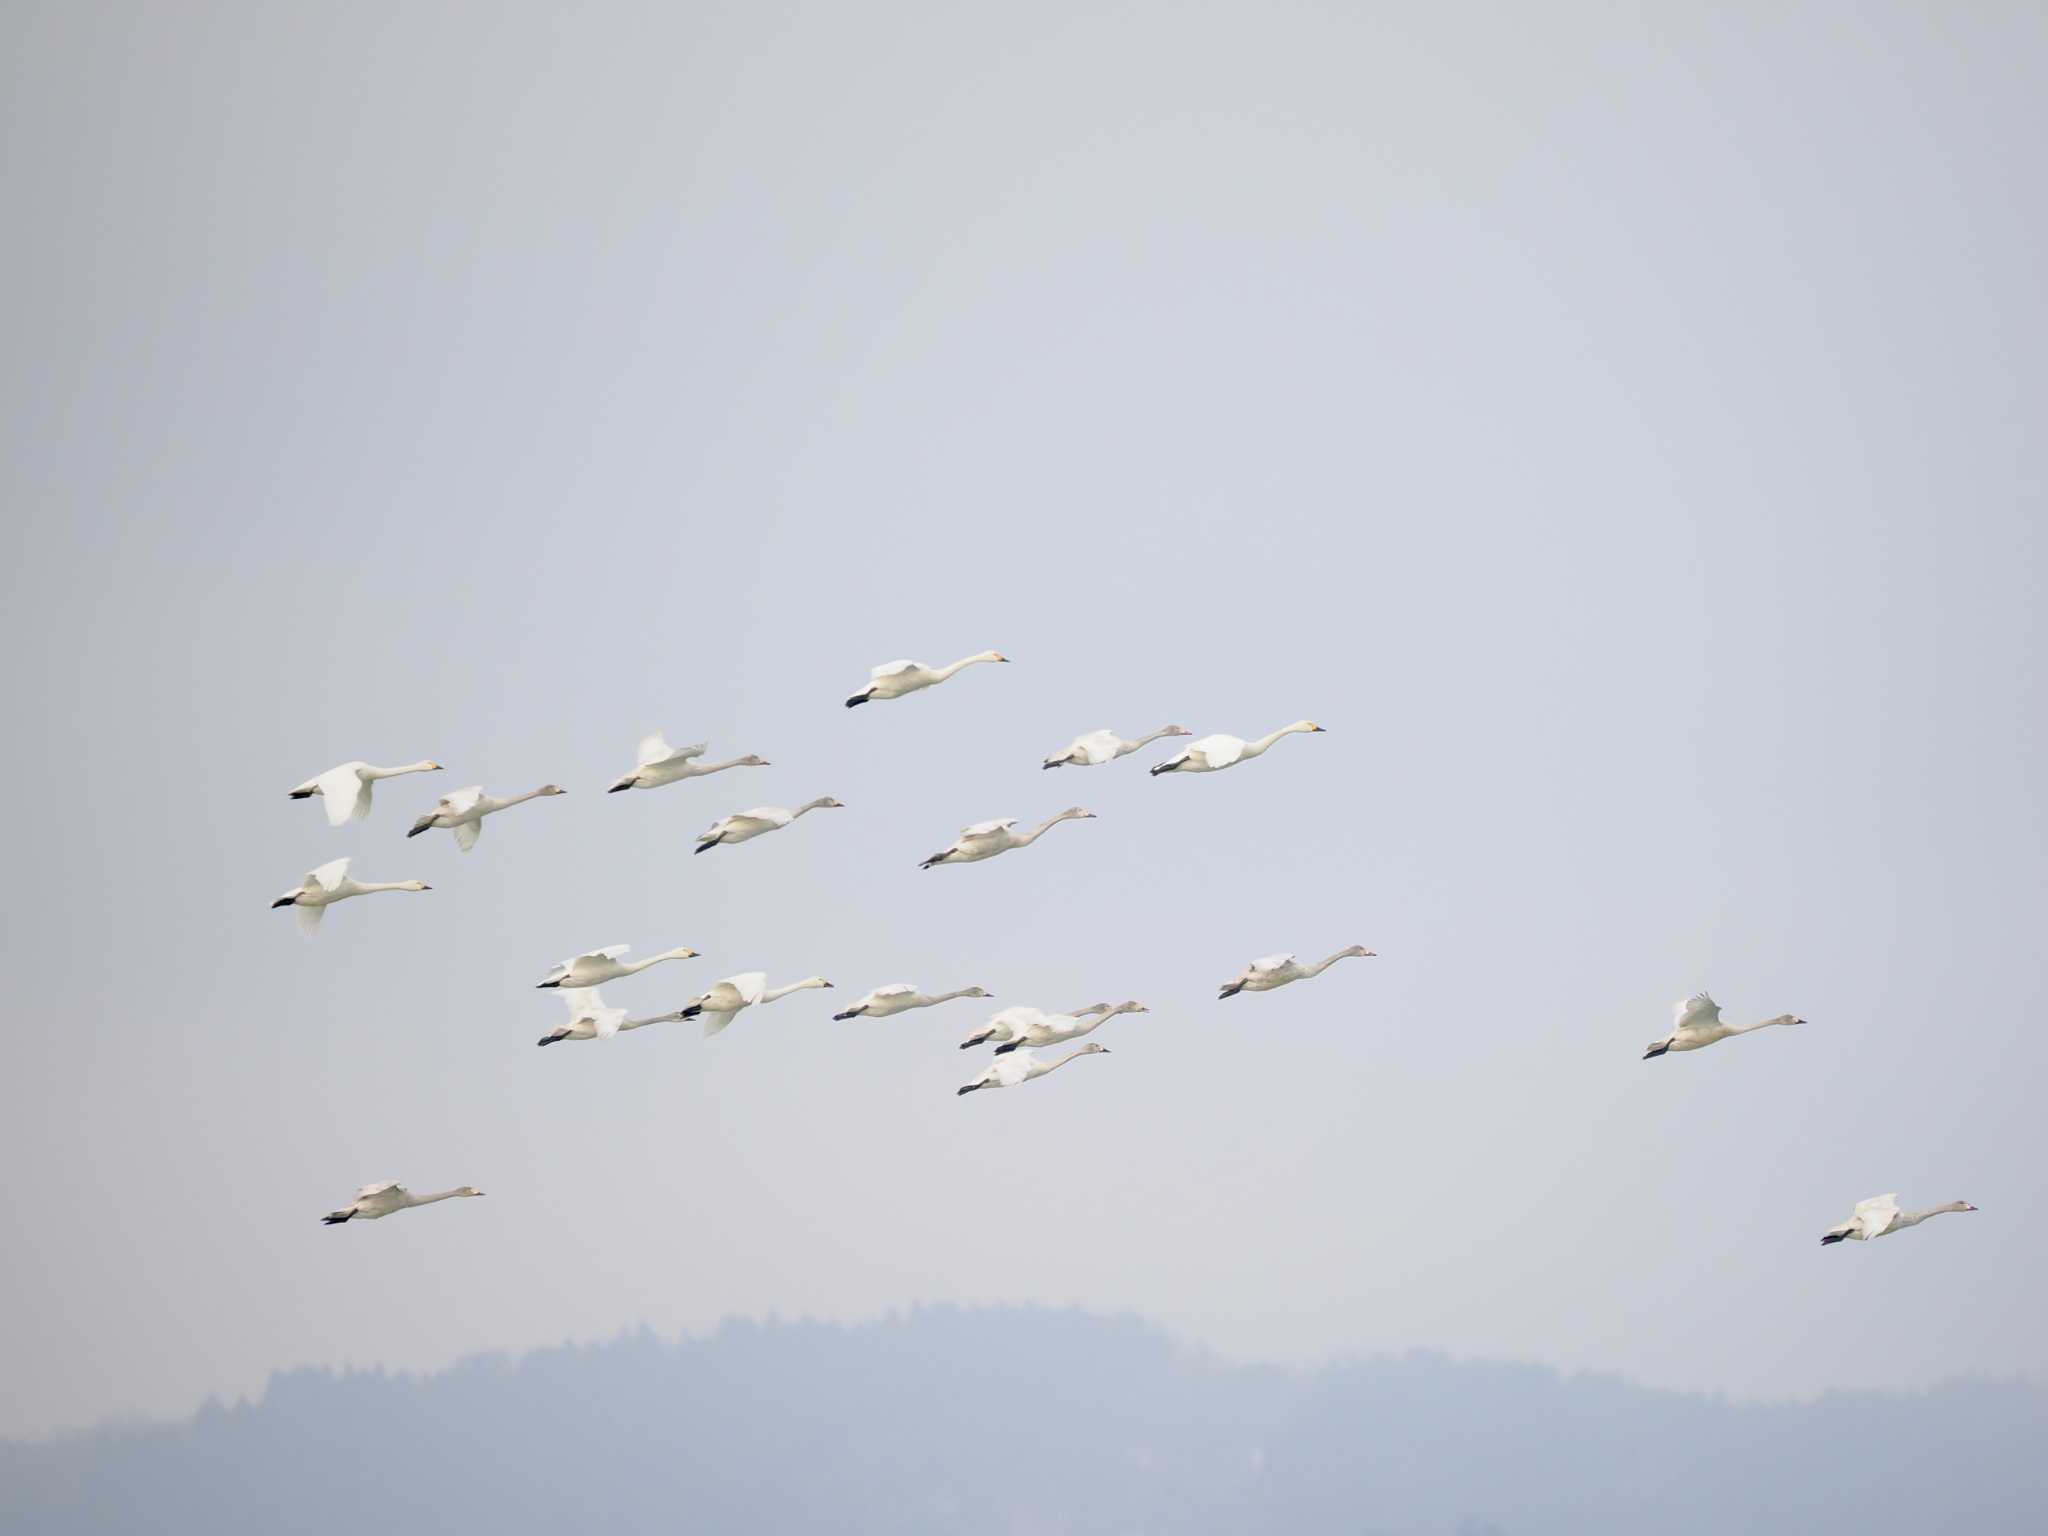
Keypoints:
(893, 679)
(1696, 1023)
(1009, 1071)
(1056, 1029)
(1270, 971)
(1880, 1216)
(1214, 753)
(376, 1200)
(345, 790)
(463, 812)
(901, 997)
(589, 1019)
(986, 839)
(328, 884)
(1009, 1023)
(1106, 747)
(722, 1003)
(657, 763)
(595, 967)
(744, 826)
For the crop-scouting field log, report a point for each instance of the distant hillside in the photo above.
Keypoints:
(1021, 1422)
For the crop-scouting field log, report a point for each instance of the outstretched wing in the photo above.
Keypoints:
(1271, 962)
(345, 793)
(655, 749)
(309, 919)
(609, 952)
(988, 828)
(466, 834)
(891, 668)
(1876, 1213)
(460, 802)
(747, 986)
(894, 989)
(1697, 1012)
(371, 1191)
(328, 876)
(1219, 751)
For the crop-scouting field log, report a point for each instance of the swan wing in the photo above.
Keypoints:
(989, 828)
(328, 876)
(655, 749)
(764, 818)
(1697, 1012)
(581, 1001)
(309, 919)
(461, 802)
(893, 668)
(345, 793)
(1097, 746)
(1218, 751)
(372, 1191)
(894, 989)
(747, 986)
(1876, 1213)
(466, 834)
(609, 952)
(1272, 962)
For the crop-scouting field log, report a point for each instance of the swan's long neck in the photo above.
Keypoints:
(1043, 827)
(1050, 1066)
(446, 1194)
(659, 1018)
(1744, 1029)
(942, 673)
(1152, 736)
(808, 805)
(512, 800)
(704, 768)
(371, 887)
(1914, 1218)
(771, 994)
(633, 967)
(1254, 748)
(422, 766)
(947, 997)
(1323, 965)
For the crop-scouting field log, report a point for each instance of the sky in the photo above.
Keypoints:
(1616, 428)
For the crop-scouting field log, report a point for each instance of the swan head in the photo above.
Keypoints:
(974, 992)
(1305, 725)
(414, 885)
(432, 767)
(751, 761)
(1092, 1049)
(551, 789)
(1359, 951)
(1176, 730)
(1964, 1205)
(829, 804)
(1075, 813)
(991, 656)
(1130, 1007)
(1787, 1018)
(469, 1190)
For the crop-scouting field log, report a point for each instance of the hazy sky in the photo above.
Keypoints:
(1618, 427)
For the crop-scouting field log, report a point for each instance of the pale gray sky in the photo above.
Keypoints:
(1617, 428)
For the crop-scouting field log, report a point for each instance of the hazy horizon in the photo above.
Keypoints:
(1617, 430)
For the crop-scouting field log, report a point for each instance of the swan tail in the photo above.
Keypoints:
(1832, 1237)
(300, 794)
(1657, 1048)
(625, 783)
(1230, 991)
(851, 1013)
(1008, 1046)
(972, 1041)
(335, 1218)
(858, 698)
(548, 1039)
(968, 1089)
(937, 858)
(691, 1012)
(424, 824)
(1165, 767)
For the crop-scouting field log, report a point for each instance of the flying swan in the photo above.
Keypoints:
(1008, 1023)
(595, 967)
(589, 1019)
(377, 1200)
(1270, 971)
(893, 679)
(1696, 1023)
(328, 884)
(901, 997)
(744, 826)
(1880, 1216)
(463, 812)
(986, 839)
(1057, 1029)
(345, 791)
(1212, 754)
(657, 763)
(1106, 747)
(1009, 1071)
(721, 1005)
